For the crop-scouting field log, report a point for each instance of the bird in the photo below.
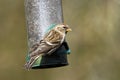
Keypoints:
(50, 42)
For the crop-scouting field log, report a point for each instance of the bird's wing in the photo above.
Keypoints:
(54, 37)
(51, 41)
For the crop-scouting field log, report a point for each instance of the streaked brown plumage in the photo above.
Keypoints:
(50, 42)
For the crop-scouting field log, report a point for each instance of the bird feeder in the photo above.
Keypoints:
(40, 16)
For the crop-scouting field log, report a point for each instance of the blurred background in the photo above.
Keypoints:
(94, 42)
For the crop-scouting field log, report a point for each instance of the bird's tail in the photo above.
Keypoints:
(29, 64)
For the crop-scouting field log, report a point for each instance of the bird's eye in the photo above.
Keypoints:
(64, 27)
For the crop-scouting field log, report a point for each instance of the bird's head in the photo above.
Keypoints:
(63, 28)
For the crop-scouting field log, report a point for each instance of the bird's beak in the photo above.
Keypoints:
(69, 30)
